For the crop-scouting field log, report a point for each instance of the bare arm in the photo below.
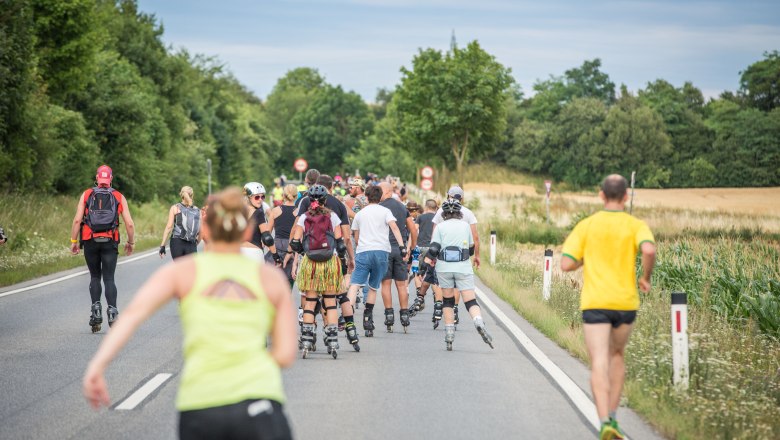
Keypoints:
(475, 233)
(283, 335)
(412, 231)
(75, 230)
(275, 212)
(396, 232)
(155, 292)
(169, 225)
(129, 227)
(648, 263)
(569, 264)
(345, 233)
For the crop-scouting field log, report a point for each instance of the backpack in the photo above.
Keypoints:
(319, 242)
(102, 210)
(189, 226)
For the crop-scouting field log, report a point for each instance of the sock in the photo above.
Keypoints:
(369, 307)
(349, 319)
(605, 420)
(612, 415)
(478, 317)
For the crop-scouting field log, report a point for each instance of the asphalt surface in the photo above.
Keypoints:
(398, 386)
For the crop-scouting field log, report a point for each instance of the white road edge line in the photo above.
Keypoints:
(574, 392)
(67, 277)
(142, 393)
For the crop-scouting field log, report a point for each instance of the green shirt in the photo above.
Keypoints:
(453, 232)
(225, 358)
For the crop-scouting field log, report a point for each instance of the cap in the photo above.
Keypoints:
(358, 182)
(412, 206)
(104, 175)
(455, 192)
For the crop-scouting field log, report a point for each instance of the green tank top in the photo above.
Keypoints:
(225, 359)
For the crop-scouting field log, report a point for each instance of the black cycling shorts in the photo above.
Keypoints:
(250, 419)
(604, 316)
(396, 267)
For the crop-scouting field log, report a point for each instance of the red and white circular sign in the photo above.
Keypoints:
(426, 172)
(300, 165)
(426, 184)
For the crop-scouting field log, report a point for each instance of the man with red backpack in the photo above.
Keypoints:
(96, 229)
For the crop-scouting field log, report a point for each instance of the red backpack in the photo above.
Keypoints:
(319, 242)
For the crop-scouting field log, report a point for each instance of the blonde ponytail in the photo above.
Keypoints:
(186, 195)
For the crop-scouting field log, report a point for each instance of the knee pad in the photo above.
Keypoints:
(343, 299)
(449, 302)
(267, 239)
(471, 303)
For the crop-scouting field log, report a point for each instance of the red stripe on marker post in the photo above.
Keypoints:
(678, 319)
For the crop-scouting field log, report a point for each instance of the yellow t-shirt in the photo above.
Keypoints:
(607, 243)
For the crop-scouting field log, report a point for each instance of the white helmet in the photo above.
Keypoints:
(253, 188)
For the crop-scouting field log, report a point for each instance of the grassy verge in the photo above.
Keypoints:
(38, 227)
(735, 352)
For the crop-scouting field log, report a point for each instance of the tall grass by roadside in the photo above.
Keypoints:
(734, 354)
(38, 227)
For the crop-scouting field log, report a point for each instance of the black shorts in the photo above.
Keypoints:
(396, 266)
(250, 419)
(605, 316)
(180, 248)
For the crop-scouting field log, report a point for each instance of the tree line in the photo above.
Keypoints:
(85, 82)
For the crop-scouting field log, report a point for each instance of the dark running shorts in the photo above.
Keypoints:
(250, 419)
(604, 316)
(396, 267)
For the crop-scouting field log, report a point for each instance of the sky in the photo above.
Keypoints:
(362, 44)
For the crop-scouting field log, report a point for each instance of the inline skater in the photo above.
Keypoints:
(452, 245)
(396, 263)
(456, 193)
(371, 227)
(96, 229)
(310, 180)
(281, 221)
(605, 245)
(184, 220)
(229, 305)
(261, 233)
(318, 238)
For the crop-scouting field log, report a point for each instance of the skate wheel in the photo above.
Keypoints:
(330, 350)
(304, 353)
(389, 329)
(95, 328)
(449, 347)
(356, 347)
(435, 325)
(404, 330)
(313, 348)
(334, 353)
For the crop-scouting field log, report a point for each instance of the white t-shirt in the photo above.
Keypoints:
(468, 216)
(334, 220)
(453, 233)
(373, 224)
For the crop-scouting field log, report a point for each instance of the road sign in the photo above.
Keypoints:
(426, 184)
(426, 172)
(300, 165)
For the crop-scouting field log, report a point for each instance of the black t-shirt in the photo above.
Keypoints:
(401, 214)
(426, 229)
(258, 218)
(284, 223)
(331, 203)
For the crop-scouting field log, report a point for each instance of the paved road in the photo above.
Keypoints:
(399, 386)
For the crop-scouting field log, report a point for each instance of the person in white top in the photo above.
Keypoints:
(456, 193)
(371, 227)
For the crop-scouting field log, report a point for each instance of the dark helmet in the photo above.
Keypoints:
(318, 193)
(450, 206)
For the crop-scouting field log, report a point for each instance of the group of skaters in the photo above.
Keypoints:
(333, 248)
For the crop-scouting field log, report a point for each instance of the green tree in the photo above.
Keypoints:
(760, 82)
(588, 81)
(331, 127)
(452, 105)
(67, 40)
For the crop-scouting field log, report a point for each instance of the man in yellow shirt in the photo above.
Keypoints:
(609, 242)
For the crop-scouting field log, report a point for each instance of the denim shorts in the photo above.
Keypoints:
(370, 268)
(456, 280)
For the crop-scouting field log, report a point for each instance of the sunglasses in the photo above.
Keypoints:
(259, 197)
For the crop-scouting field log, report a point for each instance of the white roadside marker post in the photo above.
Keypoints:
(492, 248)
(547, 274)
(680, 339)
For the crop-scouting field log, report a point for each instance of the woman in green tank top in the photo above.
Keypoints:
(231, 385)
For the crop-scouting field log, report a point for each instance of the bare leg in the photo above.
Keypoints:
(597, 340)
(468, 295)
(387, 293)
(403, 294)
(617, 363)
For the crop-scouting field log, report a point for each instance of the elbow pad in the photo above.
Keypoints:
(341, 248)
(296, 246)
(267, 239)
(433, 251)
(471, 250)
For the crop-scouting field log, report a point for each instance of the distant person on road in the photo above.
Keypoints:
(261, 232)
(310, 180)
(281, 220)
(606, 245)
(96, 229)
(452, 246)
(426, 278)
(231, 385)
(184, 220)
(278, 193)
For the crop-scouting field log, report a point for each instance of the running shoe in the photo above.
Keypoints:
(609, 432)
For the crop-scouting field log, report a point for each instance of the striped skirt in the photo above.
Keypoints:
(322, 276)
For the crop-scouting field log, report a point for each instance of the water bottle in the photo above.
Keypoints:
(415, 260)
